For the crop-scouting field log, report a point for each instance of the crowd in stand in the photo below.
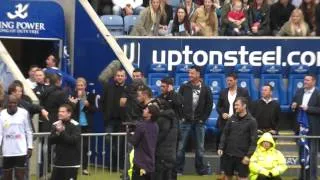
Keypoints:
(214, 17)
(162, 125)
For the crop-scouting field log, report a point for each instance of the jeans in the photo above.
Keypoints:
(118, 11)
(198, 131)
(311, 173)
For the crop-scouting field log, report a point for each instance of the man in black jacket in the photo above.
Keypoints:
(197, 106)
(66, 135)
(167, 141)
(280, 13)
(53, 98)
(308, 99)
(238, 141)
(266, 111)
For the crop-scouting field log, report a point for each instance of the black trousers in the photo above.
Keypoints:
(136, 174)
(262, 177)
(163, 171)
(85, 129)
(64, 173)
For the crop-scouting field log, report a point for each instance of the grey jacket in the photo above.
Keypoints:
(145, 25)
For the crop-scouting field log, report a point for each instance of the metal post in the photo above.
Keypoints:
(45, 155)
(96, 155)
(81, 156)
(110, 157)
(103, 152)
(125, 171)
(118, 153)
(89, 151)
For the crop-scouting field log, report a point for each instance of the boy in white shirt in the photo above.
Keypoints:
(15, 138)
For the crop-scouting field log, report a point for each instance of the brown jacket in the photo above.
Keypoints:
(286, 30)
(145, 25)
(200, 17)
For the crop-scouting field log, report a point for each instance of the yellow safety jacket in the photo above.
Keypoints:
(265, 161)
(131, 156)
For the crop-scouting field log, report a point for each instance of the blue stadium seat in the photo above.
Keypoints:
(296, 77)
(181, 74)
(211, 125)
(272, 74)
(129, 22)
(114, 23)
(155, 74)
(174, 3)
(246, 79)
(214, 77)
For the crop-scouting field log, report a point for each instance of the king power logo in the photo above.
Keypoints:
(20, 12)
(19, 22)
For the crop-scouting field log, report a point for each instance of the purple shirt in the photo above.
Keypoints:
(144, 141)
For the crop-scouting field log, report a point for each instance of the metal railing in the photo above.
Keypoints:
(96, 153)
(100, 152)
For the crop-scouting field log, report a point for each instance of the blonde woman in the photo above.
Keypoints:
(149, 20)
(296, 26)
(204, 22)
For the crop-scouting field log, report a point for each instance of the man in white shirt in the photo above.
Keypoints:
(15, 138)
(31, 79)
(308, 99)
(127, 7)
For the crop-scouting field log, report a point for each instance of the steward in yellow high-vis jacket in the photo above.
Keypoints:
(267, 163)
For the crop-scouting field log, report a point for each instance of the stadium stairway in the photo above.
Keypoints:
(287, 146)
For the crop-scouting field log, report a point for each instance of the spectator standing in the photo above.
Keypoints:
(197, 106)
(174, 99)
(85, 108)
(149, 20)
(259, 18)
(308, 99)
(31, 79)
(52, 64)
(266, 111)
(317, 19)
(225, 105)
(181, 24)
(190, 6)
(267, 163)
(238, 141)
(279, 14)
(204, 22)
(66, 135)
(238, 22)
(308, 8)
(167, 141)
(40, 88)
(54, 98)
(127, 7)
(129, 97)
(144, 141)
(16, 139)
(114, 114)
(296, 26)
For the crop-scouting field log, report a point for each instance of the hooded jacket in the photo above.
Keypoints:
(167, 138)
(267, 161)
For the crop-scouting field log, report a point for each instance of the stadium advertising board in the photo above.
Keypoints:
(32, 19)
(228, 52)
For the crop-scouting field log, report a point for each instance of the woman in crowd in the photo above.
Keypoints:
(258, 18)
(296, 26)
(181, 24)
(166, 17)
(308, 8)
(190, 6)
(84, 103)
(149, 20)
(204, 22)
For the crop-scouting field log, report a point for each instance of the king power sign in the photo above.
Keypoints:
(31, 19)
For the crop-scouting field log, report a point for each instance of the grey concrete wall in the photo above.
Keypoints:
(69, 15)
